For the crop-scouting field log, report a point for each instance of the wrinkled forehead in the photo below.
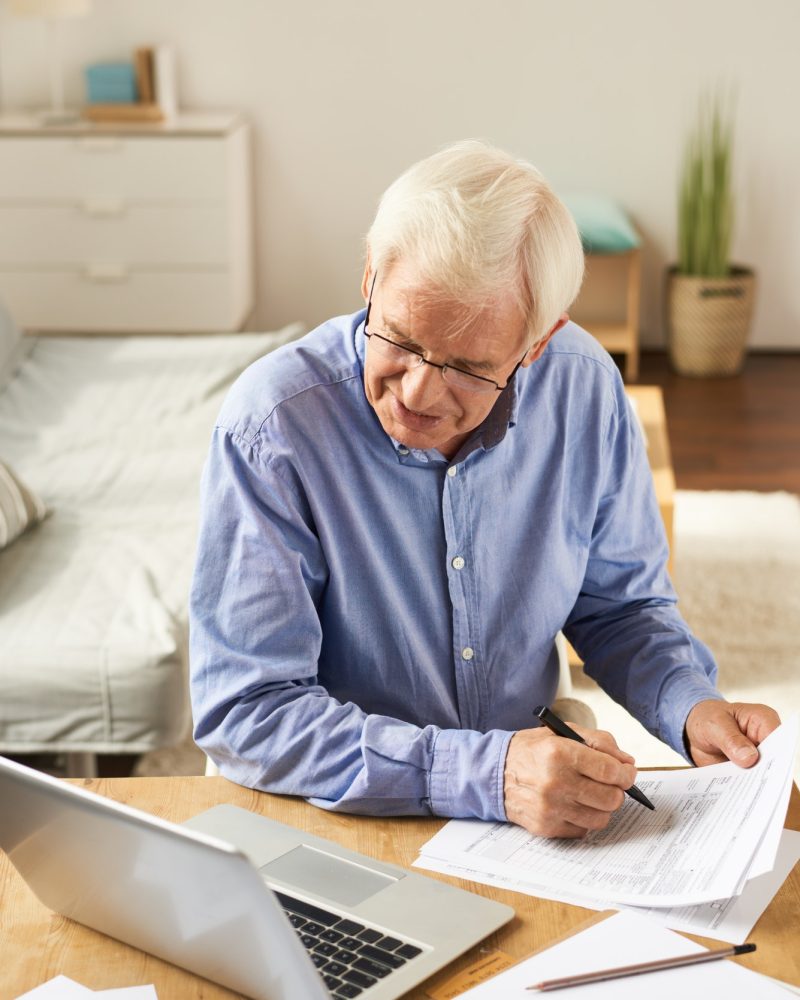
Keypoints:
(410, 305)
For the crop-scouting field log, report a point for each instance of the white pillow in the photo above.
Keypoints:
(20, 508)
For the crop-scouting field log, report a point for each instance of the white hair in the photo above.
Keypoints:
(474, 224)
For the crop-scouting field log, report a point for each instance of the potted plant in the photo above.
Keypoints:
(709, 299)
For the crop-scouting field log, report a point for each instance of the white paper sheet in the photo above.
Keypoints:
(623, 939)
(764, 857)
(696, 847)
(58, 988)
(128, 993)
(64, 988)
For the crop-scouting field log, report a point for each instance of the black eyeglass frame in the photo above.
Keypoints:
(492, 384)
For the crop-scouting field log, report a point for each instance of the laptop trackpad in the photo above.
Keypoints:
(322, 874)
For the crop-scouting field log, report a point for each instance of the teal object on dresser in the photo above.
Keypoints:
(111, 83)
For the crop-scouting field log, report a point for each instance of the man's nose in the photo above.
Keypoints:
(422, 386)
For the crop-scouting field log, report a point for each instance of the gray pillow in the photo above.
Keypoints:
(20, 507)
(10, 338)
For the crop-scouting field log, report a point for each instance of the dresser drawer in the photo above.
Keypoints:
(110, 300)
(121, 229)
(132, 233)
(145, 168)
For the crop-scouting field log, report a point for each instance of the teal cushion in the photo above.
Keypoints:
(603, 225)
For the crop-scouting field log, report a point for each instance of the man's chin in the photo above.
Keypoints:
(416, 441)
(416, 438)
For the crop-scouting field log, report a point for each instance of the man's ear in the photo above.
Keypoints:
(536, 352)
(366, 281)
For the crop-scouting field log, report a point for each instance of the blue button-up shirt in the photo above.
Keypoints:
(370, 623)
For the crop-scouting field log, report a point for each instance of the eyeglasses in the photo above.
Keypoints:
(409, 358)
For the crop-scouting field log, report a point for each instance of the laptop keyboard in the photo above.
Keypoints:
(350, 956)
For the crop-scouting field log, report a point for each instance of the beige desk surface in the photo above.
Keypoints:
(36, 944)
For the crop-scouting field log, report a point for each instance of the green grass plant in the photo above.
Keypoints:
(705, 201)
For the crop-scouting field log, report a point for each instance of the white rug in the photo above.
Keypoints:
(737, 574)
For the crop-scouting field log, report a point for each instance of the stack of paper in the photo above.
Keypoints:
(707, 860)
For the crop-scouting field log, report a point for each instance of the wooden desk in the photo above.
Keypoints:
(36, 944)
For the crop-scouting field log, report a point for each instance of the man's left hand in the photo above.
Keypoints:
(720, 730)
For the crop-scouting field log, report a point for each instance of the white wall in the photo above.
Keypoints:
(344, 94)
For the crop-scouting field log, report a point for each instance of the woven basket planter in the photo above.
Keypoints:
(709, 321)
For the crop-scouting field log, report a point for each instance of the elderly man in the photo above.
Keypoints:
(402, 509)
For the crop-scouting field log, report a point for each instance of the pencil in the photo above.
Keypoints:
(635, 970)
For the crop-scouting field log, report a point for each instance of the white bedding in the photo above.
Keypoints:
(112, 434)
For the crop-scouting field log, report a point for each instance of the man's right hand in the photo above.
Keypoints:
(555, 787)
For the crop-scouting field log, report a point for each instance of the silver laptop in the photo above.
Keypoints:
(252, 904)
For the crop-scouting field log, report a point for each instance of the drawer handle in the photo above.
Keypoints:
(106, 144)
(106, 272)
(103, 207)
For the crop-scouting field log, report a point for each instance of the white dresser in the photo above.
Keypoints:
(119, 228)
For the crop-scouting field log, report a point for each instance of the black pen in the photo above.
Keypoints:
(555, 725)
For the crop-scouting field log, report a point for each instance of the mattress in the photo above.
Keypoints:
(112, 434)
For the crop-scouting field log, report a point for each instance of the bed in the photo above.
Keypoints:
(111, 433)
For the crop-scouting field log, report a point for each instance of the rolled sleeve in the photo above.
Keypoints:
(466, 777)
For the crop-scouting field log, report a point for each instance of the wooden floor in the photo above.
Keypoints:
(737, 433)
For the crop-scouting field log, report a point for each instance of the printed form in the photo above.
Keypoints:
(700, 845)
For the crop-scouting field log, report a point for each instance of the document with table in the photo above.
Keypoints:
(715, 832)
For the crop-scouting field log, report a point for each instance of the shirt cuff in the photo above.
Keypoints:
(676, 700)
(466, 777)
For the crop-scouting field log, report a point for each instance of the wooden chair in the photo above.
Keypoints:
(620, 336)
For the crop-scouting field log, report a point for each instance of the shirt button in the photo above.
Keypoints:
(457, 563)
(452, 471)
(402, 451)
(467, 653)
